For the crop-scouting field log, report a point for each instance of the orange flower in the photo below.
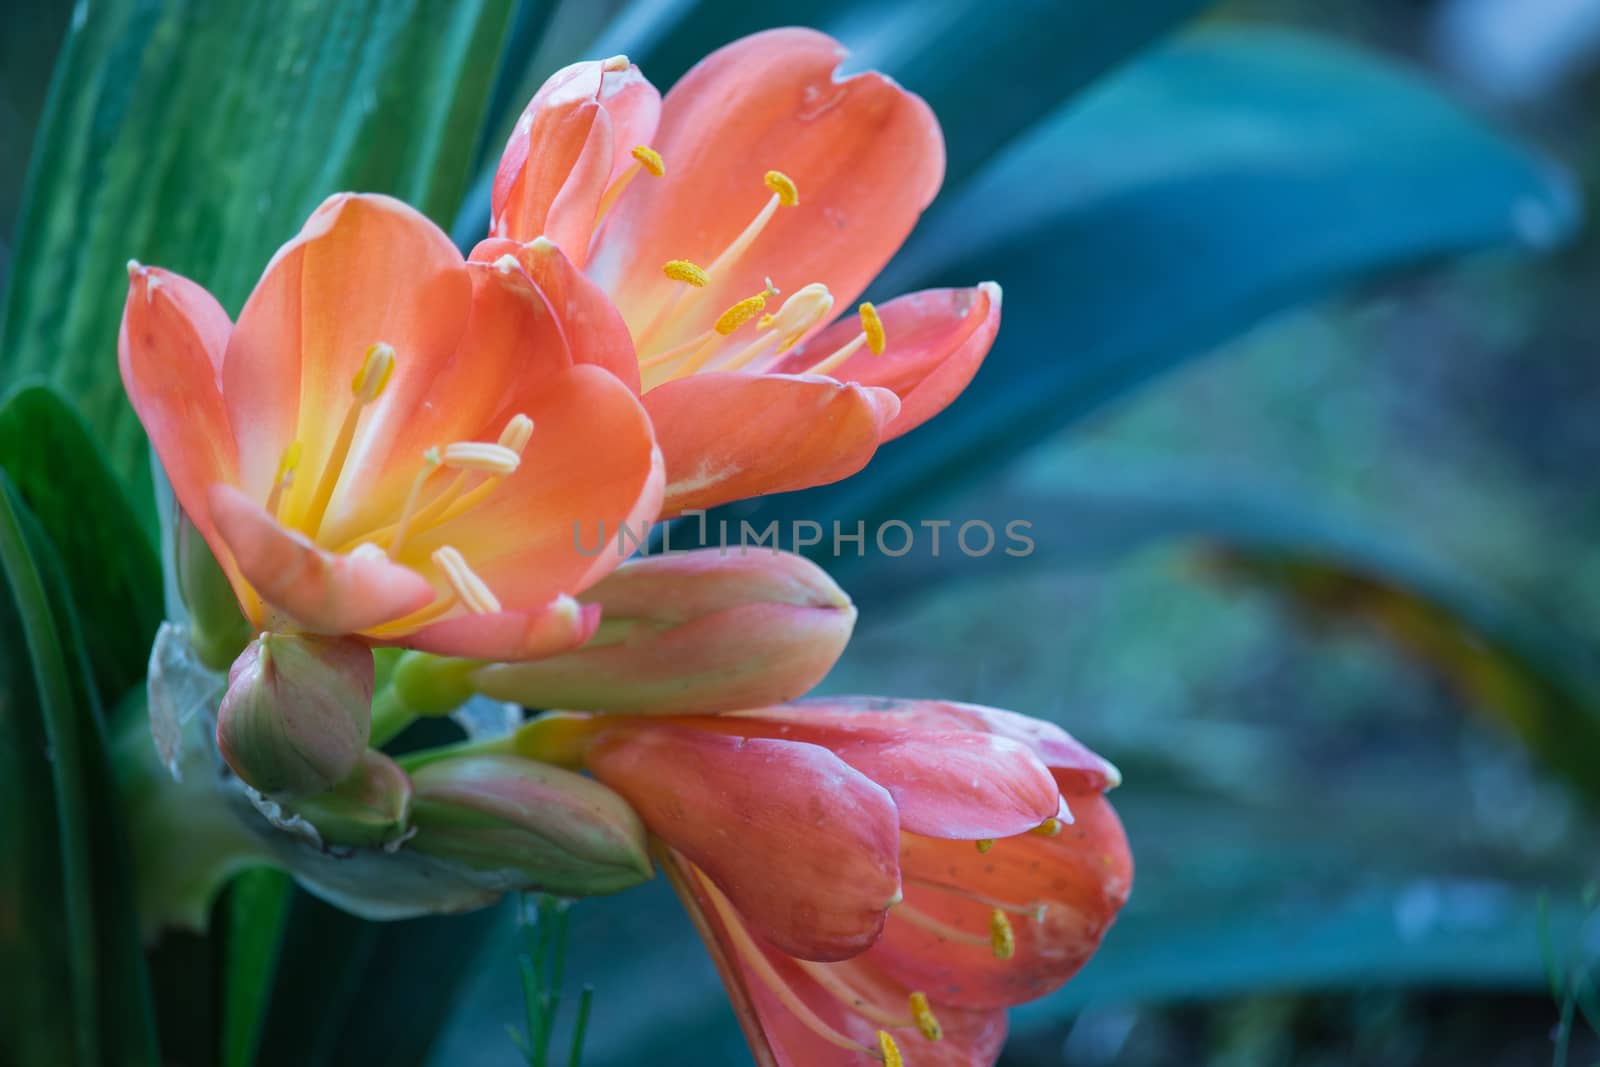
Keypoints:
(875, 878)
(726, 223)
(391, 442)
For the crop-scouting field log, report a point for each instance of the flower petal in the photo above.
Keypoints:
(590, 469)
(509, 636)
(804, 846)
(570, 143)
(363, 270)
(321, 592)
(594, 331)
(170, 352)
(796, 1014)
(728, 436)
(937, 339)
(866, 156)
(1081, 877)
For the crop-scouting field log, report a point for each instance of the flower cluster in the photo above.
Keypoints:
(391, 448)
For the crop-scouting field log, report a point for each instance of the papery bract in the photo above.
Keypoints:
(770, 190)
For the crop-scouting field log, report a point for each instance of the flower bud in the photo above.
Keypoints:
(295, 719)
(218, 630)
(369, 809)
(542, 827)
(693, 631)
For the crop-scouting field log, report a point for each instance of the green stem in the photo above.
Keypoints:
(390, 716)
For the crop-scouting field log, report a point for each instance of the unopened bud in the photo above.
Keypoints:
(369, 809)
(217, 628)
(541, 827)
(297, 714)
(692, 631)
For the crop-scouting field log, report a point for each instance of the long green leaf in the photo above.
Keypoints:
(257, 907)
(75, 921)
(199, 136)
(1213, 182)
(108, 557)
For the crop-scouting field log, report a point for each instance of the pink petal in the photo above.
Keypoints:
(509, 636)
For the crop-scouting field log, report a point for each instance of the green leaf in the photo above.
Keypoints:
(1218, 180)
(73, 940)
(988, 71)
(257, 906)
(109, 558)
(199, 136)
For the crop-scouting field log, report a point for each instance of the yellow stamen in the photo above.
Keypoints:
(430, 463)
(517, 434)
(889, 1050)
(1049, 828)
(938, 927)
(1033, 910)
(859, 1003)
(616, 64)
(377, 367)
(764, 321)
(373, 377)
(650, 160)
(831, 363)
(927, 1022)
(1002, 939)
(743, 311)
(507, 264)
(284, 478)
(473, 593)
(784, 186)
(667, 355)
(872, 326)
(985, 844)
(681, 270)
(480, 456)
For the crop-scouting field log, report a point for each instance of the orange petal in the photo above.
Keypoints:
(866, 155)
(508, 636)
(319, 591)
(801, 844)
(364, 269)
(170, 352)
(591, 465)
(937, 340)
(783, 1006)
(727, 436)
(571, 142)
(1081, 877)
(594, 331)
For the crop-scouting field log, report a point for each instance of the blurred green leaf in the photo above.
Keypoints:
(257, 906)
(988, 71)
(1211, 183)
(109, 558)
(70, 950)
(200, 135)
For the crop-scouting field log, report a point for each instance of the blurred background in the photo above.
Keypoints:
(1327, 592)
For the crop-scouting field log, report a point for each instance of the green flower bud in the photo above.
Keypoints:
(542, 827)
(369, 809)
(298, 710)
(218, 630)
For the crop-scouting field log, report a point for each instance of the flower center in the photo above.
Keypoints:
(479, 468)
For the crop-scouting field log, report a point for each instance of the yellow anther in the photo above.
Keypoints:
(650, 160)
(507, 264)
(517, 433)
(681, 270)
(373, 377)
(1002, 939)
(764, 321)
(780, 183)
(480, 456)
(281, 482)
(1049, 828)
(470, 589)
(888, 1050)
(927, 1022)
(985, 844)
(743, 311)
(872, 326)
(615, 64)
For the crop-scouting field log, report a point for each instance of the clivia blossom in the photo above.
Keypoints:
(727, 223)
(877, 880)
(391, 443)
